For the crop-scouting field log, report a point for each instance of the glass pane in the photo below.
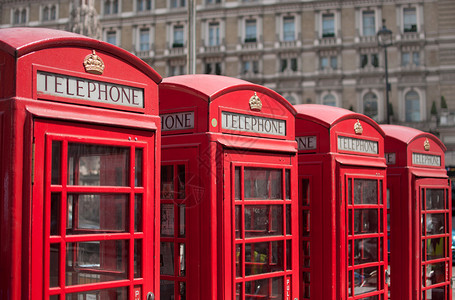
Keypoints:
(288, 220)
(137, 258)
(54, 297)
(306, 254)
(306, 284)
(306, 223)
(167, 258)
(238, 221)
(365, 221)
(437, 293)
(167, 219)
(55, 214)
(167, 182)
(98, 213)
(138, 168)
(181, 220)
(137, 213)
(365, 191)
(54, 265)
(182, 260)
(167, 290)
(182, 290)
(289, 255)
(238, 291)
(435, 224)
(56, 162)
(263, 220)
(435, 248)
(237, 183)
(287, 183)
(98, 165)
(238, 262)
(365, 251)
(349, 191)
(263, 184)
(107, 294)
(269, 288)
(434, 199)
(96, 261)
(181, 181)
(435, 273)
(305, 192)
(365, 280)
(265, 257)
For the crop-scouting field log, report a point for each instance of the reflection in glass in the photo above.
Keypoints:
(365, 280)
(182, 290)
(98, 165)
(306, 254)
(436, 293)
(182, 260)
(167, 182)
(166, 290)
(96, 261)
(98, 213)
(433, 274)
(435, 248)
(269, 288)
(434, 224)
(263, 220)
(167, 258)
(265, 257)
(238, 262)
(365, 221)
(365, 250)
(238, 291)
(365, 191)
(54, 265)
(306, 284)
(182, 220)
(181, 181)
(167, 219)
(435, 199)
(106, 294)
(56, 162)
(306, 223)
(262, 184)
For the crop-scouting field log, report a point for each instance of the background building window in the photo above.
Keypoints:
(250, 67)
(328, 25)
(330, 100)
(111, 37)
(369, 60)
(409, 20)
(20, 16)
(49, 13)
(213, 68)
(110, 7)
(406, 58)
(176, 69)
(178, 3)
(288, 29)
(213, 1)
(412, 106)
(370, 105)
(178, 36)
(144, 5)
(325, 60)
(214, 34)
(368, 23)
(250, 31)
(144, 39)
(288, 65)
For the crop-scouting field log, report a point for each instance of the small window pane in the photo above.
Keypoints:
(365, 251)
(434, 199)
(182, 260)
(288, 220)
(365, 221)
(287, 183)
(167, 289)
(365, 281)
(265, 257)
(167, 182)
(238, 221)
(237, 182)
(167, 258)
(368, 22)
(138, 213)
(365, 191)
(435, 224)
(328, 25)
(137, 258)
(263, 184)
(138, 168)
(263, 220)
(434, 274)
(435, 248)
(54, 265)
(167, 220)
(238, 260)
(120, 293)
(181, 181)
(55, 213)
(56, 162)
(182, 227)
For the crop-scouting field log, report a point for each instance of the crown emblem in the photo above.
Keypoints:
(426, 145)
(358, 129)
(93, 64)
(255, 102)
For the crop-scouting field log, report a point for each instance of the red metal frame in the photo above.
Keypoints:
(337, 146)
(212, 151)
(408, 179)
(29, 202)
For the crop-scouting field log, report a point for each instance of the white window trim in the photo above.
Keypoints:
(402, 103)
(377, 22)
(111, 14)
(49, 5)
(20, 8)
(205, 31)
(400, 17)
(242, 27)
(137, 37)
(280, 27)
(135, 9)
(335, 94)
(117, 35)
(381, 101)
(170, 33)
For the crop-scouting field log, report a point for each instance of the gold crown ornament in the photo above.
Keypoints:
(93, 64)
(255, 103)
(358, 129)
(426, 145)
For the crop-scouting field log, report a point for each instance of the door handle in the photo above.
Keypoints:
(150, 296)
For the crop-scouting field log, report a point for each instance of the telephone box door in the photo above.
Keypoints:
(260, 227)
(93, 189)
(365, 215)
(434, 230)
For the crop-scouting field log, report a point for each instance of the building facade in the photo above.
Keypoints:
(310, 51)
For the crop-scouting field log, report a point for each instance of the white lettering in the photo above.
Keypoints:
(86, 89)
(249, 123)
(357, 145)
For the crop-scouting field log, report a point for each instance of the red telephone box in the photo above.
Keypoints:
(420, 215)
(343, 234)
(79, 133)
(228, 191)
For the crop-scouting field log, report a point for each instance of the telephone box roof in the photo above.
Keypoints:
(407, 134)
(209, 87)
(18, 41)
(329, 116)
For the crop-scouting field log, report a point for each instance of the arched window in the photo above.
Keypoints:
(370, 105)
(412, 106)
(330, 100)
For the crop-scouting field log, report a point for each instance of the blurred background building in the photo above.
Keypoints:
(310, 51)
